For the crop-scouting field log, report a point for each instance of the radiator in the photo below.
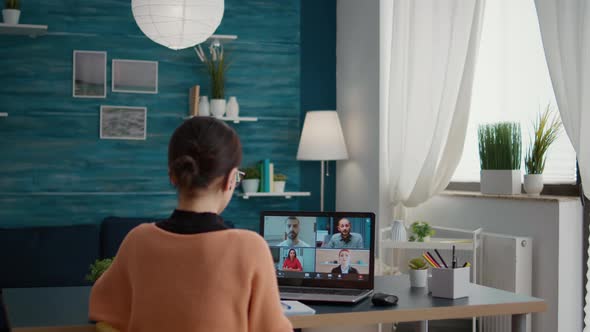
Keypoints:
(507, 264)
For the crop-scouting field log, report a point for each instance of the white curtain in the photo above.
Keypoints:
(565, 30)
(430, 59)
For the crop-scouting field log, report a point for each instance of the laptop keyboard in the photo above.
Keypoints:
(331, 291)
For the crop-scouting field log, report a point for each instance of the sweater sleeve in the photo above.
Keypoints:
(110, 298)
(265, 312)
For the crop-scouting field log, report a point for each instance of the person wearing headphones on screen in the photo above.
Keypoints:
(190, 272)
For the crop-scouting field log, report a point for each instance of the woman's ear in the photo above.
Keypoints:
(230, 180)
(172, 178)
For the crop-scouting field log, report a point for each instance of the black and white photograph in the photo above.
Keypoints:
(89, 74)
(123, 122)
(135, 76)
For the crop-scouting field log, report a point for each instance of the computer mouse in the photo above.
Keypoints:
(384, 299)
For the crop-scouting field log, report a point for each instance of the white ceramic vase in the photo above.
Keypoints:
(204, 106)
(418, 278)
(10, 16)
(232, 109)
(250, 185)
(279, 186)
(398, 231)
(218, 107)
(533, 184)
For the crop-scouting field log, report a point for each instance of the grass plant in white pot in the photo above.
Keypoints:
(279, 182)
(251, 180)
(546, 129)
(500, 149)
(216, 66)
(11, 12)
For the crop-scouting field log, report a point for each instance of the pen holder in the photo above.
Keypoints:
(450, 283)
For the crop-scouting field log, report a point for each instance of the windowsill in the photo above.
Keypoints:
(475, 194)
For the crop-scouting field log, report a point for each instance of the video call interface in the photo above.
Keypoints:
(326, 248)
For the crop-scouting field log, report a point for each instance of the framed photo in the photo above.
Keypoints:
(135, 76)
(123, 122)
(89, 78)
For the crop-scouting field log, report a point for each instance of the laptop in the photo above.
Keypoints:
(321, 256)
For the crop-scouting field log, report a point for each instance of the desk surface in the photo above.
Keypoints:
(414, 305)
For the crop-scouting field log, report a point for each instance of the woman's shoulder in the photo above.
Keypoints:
(246, 237)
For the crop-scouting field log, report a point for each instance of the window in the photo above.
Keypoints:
(512, 83)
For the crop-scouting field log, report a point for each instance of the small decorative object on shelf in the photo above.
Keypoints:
(418, 272)
(546, 129)
(279, 183)
(251, 180)
(499, 153)
(232, 109)
(204, 106)
(421, 231)
(398, 231)
(193, 100)
(216, 67)
(11, 12)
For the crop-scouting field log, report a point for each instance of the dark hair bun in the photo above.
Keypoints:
(186, 170)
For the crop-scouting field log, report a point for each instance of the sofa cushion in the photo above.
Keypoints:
(113, 231)
(47, 256)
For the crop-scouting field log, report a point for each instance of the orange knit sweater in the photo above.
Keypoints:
(215, 281)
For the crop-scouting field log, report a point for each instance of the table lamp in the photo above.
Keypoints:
(322, 139)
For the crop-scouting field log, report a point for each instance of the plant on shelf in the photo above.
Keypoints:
(216, 67)
(251, 180)
(12, 4)
(421, 231)
(279, 182)
(546, 130)
(500, 148)
(418, 272)
(11, 11)
(98, 268)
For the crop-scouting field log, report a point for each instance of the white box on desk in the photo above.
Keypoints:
(450, 283)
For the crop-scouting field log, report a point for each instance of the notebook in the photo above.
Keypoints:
(295, 308)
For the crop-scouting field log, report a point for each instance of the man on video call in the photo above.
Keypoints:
(345, 238)
(292, 230)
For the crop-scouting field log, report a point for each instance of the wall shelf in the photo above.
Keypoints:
(235, 119)
(434, 243)
(3, 114)
(217, 40)
(286, 195)
(23, 29)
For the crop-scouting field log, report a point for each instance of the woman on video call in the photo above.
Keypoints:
(292, 263)
(344, 260)
(190, 272)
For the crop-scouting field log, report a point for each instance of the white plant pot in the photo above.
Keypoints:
(217, 107)
(250, 185)
(418, 278)
(398, 231)
(233, 108)
(279, 186)
(533, 184)
(10, 16)
(500, 182)
(204, 106)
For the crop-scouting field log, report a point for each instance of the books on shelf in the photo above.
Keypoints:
(266, 176)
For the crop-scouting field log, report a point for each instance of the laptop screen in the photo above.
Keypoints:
(324, 249)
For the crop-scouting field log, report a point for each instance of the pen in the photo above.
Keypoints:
(454, 259)
(433, 259)
(288, 307)
(441, 259)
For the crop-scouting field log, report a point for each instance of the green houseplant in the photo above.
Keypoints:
(216, 66)
(500, 149)
(11, 11)
(421, 231)
(546, 130)
(279, 182)
(418, 272)
(98, 268)
(251, 180)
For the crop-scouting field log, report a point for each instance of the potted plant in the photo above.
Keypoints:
(11, 11)
(216, 66)
(251, 180)
(418, 272)
(499, 153)
(98, 268)
(421, 231)
(546, 129)
(279, 182)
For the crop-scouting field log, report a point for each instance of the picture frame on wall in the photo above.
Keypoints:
(89, 77)
(123, 122)
(134, 76)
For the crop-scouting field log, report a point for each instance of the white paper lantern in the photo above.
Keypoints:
(178, 24)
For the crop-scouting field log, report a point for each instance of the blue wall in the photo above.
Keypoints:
(55, 170)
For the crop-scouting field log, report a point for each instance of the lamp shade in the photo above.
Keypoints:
(322, 138)
(178, 24)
